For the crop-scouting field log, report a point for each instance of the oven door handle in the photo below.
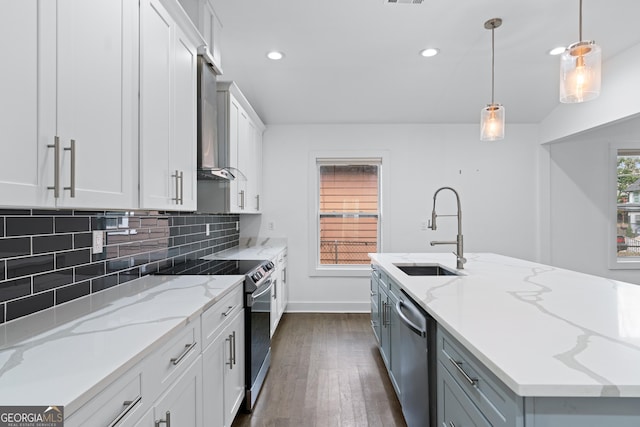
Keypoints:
(255, 297)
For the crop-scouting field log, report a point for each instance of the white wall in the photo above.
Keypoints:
(579, 200)
(497, 182)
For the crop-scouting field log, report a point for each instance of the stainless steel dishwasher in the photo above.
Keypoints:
(417, 366)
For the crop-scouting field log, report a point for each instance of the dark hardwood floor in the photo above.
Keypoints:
(326, 370)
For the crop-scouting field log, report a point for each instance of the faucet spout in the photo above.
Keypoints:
(460, 260)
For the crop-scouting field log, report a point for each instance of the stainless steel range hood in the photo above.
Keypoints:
(211, 151)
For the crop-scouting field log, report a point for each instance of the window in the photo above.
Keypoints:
(348, 212)
(628, 204)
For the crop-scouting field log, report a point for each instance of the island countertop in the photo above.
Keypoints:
(544, 331)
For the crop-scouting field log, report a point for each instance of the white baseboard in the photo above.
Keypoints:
(328, 307)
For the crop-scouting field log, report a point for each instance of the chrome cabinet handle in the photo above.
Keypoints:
(458, 365)
(284, 275)
(128, 405)
(182, 187)
(187, 349)
(241, 199)
(56, 166)
(258, 202)
(229, 310)
(234, 347)
(72, 183)
(167, 420)
(179, 190)
(230, 362)
(384, 313)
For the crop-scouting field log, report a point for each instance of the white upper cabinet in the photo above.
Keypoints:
(69, 105)
(240, 139)
(25, 167)
(203, 16)
(168, 72)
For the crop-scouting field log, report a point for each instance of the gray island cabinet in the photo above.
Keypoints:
(524, 344)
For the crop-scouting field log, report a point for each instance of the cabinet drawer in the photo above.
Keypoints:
(119, 404)
(496, 401)
(455, 407)
(164, 365)
(214, 318)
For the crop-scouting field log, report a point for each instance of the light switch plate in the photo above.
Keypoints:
(98, 241)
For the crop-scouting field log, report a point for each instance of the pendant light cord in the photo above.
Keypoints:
(493, 62)
(580, 23)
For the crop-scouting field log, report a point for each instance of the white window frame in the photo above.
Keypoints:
(345, 157)
(616, 263)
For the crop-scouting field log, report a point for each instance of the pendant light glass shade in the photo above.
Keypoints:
(492, 123)
(492, 116)
(580, 72)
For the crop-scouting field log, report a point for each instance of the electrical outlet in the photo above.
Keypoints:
(424, 226)
(237, 225)
(98, 241)
(270, 226)
(207, 229)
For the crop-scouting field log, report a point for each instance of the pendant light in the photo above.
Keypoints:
(492, 116)
(580, 70)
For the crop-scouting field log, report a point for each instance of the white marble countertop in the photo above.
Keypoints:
(65, 354)
(543, 331)
(262, 248)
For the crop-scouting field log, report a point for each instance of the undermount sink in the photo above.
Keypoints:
(425, 270)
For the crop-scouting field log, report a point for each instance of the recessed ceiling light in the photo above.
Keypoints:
(557, 50)
(275, 55)
(428, 52)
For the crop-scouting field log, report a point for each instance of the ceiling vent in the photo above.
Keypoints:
(403, 1)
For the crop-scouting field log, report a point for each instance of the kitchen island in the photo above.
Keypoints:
(566, 345)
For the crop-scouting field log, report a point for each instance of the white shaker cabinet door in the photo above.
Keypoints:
(167, 112)
(96, 102)
(185, 137)
(26, 164)
(157, 186)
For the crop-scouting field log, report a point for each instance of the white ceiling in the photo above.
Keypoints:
(357, 61)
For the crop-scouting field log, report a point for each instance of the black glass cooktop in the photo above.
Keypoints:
(211, 267)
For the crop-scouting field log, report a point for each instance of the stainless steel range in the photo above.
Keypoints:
(257, 312)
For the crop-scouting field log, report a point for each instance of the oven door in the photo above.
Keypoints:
(258, 340)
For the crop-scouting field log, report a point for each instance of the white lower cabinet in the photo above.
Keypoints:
(181, 403)
(178, 384)
(468, 393)
(223, 374)
(120, 404)
(279, 292)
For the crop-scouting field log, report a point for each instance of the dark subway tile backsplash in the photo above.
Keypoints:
(71, 258)
(29, 265)
(28, 226)
(52, 280)
(68, 293)
(13, 289)
(70, 224)
(29, 305)
(53, 243)
(46, 256)
(15, 247)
